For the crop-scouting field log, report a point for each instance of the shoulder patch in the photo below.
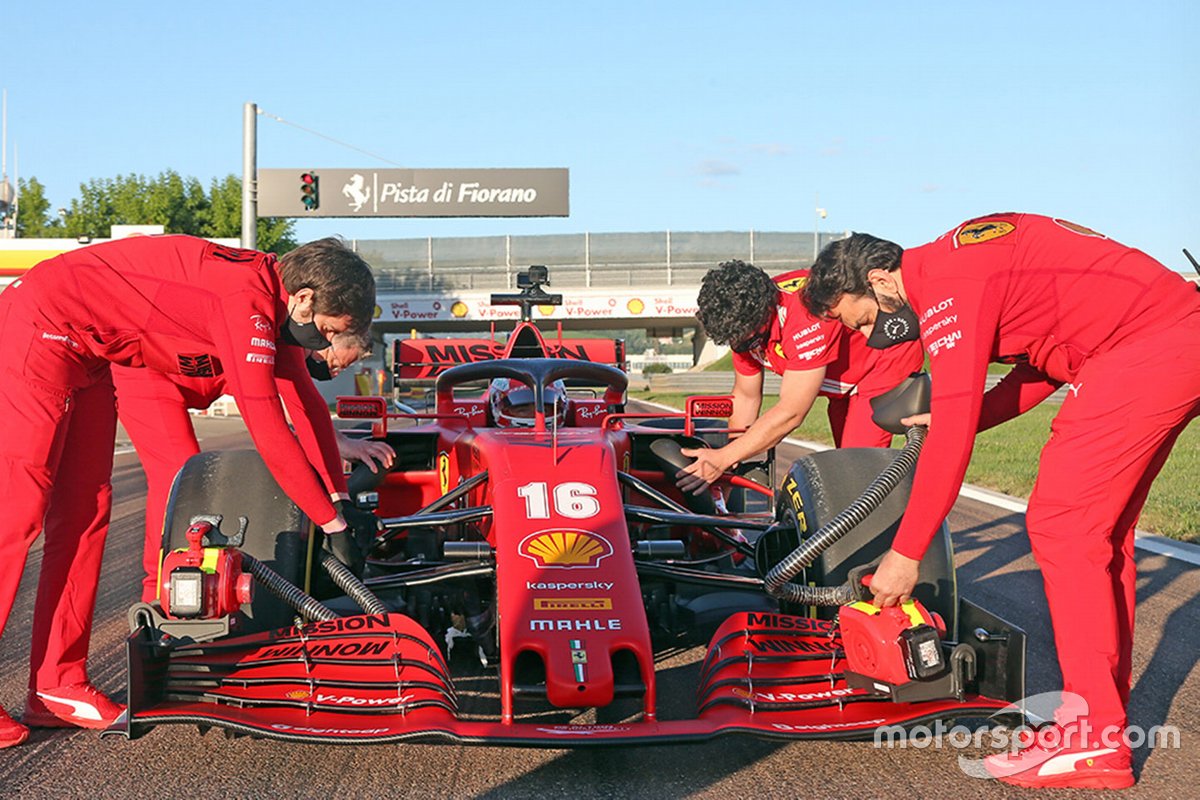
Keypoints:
(792, 285)
(1074, 228)
(983, 231)
(779, 350)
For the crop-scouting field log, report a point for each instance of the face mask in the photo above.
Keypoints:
(319, 370)
(894, 327)
(304, 335)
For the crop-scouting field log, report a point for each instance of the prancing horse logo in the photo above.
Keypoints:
(357, 192)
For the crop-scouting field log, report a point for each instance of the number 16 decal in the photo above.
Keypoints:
(572, 499)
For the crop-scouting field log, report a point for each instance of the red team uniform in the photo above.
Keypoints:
(854, 373)
(1067, 306)
(154, 410)
(170, 304)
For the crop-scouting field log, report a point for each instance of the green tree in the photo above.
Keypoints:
(34, 220)
(275, 234)
(180, 204)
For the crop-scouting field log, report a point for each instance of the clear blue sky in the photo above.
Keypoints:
(906, 118)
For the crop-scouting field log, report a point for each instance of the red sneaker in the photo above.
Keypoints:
(12, 733)
(1058, 766)
(79, 704)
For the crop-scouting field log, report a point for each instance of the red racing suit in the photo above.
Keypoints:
(1068, 306)
(173, 304)
(854, 373)
(153, 408)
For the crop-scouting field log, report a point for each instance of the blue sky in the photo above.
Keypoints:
(905, 118)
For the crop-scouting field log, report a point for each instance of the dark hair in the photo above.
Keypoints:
(842, 268)
(341, 280)
(735, 300)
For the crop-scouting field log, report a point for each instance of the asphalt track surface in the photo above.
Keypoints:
(994, 570)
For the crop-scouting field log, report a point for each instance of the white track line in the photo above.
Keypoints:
(1151, 543)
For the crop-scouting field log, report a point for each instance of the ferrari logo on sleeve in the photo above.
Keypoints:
(793, 285)
(983, 231)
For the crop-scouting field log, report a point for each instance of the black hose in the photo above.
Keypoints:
(351, 585)
(302, 603)
(777, 580)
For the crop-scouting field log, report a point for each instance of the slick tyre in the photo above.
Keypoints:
(820, 486)
(234, 484)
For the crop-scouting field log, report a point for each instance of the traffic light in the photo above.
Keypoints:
(310, 191)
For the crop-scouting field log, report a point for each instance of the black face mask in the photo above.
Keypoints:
(319, 370)
(894, 327)
(303, 335)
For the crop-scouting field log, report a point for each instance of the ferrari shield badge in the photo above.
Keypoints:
(983, 231)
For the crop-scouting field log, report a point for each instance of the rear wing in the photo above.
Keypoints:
(425, 359)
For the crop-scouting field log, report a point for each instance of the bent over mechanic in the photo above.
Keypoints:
(1069, 307)
(176, 305)
(767, 326)
(154, 410)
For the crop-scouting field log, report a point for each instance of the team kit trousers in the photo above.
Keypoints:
(56, 452)
(1123, 413)
(851, 423)
(154, 412)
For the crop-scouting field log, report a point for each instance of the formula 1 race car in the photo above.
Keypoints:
(535, 578)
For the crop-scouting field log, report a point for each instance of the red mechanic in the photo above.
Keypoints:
(765, 322)
(1067, 306)
(173, 304)
(153, 408)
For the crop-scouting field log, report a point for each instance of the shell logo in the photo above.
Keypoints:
(546, 310)
(738, 691)
(565, 548)
(459, 309)
(298, 694)
(378, 312)
(635, 306)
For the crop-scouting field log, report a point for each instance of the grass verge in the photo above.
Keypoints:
(1005, 459)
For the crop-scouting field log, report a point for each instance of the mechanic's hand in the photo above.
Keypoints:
(367, 451)
(364, 525)
(342, 546)
(709, 465)
(916, 419)
(894, 580)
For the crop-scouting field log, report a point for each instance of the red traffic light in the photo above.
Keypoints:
(310, 191)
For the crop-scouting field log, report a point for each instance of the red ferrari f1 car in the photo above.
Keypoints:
(535, 578)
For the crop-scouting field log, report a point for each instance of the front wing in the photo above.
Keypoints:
(378, 679)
